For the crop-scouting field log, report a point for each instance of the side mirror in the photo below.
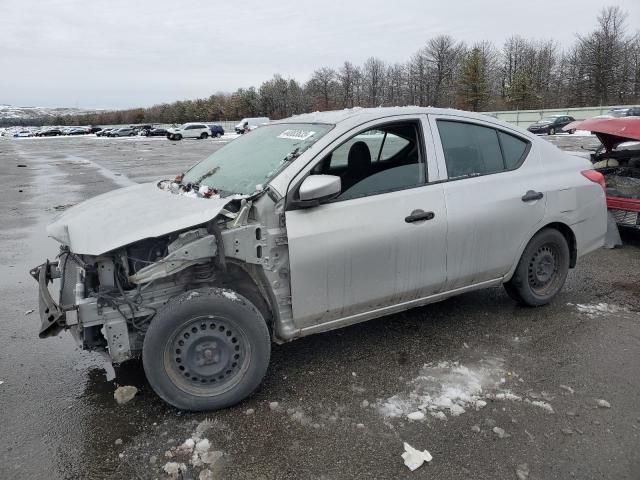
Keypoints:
(315, 188)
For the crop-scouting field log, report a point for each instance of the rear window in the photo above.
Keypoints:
(472, 150)
(513, 150)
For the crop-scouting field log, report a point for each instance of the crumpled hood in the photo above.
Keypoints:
(128, 215)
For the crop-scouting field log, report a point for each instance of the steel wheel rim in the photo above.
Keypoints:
(207, 355)
(543, 268)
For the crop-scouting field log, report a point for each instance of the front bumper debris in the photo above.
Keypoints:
(52, 315)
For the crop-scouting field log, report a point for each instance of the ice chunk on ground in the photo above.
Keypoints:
(500, 432)
(211, 457)
(567, 388)
(125, 394)
(274, 405)
(445, 387)
(413, 458)
(415, 415)
(203, 446)
(29, 312)
(543, 405)
(603, 403)
(250, 411)
(475, 428)
(174, 468)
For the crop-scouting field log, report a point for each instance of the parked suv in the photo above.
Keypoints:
(216, 131)
(188, 130)
(552, 125)
(309, 224)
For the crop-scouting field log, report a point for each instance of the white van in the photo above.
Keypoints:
(254, 122)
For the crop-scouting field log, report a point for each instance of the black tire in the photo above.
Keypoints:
(177, 137)
(218, 135)
(572, 131)
(542, 269)
(552, 131)
(206, 349)
(204, 136)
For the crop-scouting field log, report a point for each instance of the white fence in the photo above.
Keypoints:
(524, 118)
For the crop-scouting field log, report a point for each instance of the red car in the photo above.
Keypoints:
(618, 159)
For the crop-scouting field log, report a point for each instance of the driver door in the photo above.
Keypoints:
(363, 252)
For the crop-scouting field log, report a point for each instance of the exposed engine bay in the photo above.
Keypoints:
(109, 300)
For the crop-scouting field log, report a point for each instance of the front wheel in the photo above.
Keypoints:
(572, 131)
(552, 131)
(218, 135)
(542, 269)
(206, 349)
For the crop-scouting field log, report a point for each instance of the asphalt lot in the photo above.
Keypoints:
(541, 371)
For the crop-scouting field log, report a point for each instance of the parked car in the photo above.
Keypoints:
(122, 132)
(23, 134)
(252, 123)
(309, 224)
(618, 159)
(156, 132)
(104, 132)
(216, 131)
(551, 125)
(49, 132)
(76, 131)
(188, 130)
(622, 112)
(95, 130)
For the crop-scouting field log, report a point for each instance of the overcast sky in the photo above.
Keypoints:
(122, 53)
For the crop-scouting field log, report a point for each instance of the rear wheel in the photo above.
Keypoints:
(542, 269)
(552, 131)
(204, 136)
(206, 349)
(572, 131)
(218, 135)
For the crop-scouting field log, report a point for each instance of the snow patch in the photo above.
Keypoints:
(231, 295)
(445, 387)
(593, 310)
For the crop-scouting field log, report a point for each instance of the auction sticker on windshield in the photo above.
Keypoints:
(296, 134)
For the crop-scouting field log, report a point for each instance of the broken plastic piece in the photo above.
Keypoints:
(413, 458)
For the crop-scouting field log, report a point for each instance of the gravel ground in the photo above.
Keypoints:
(342, 396)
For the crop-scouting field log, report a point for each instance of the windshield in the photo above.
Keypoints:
(618, 113)
(254, 158)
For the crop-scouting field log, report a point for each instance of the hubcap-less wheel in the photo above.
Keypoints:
(552, 131)
(206, 355)
(543, 270)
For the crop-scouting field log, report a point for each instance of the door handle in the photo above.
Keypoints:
(419, 216)
(531, 196)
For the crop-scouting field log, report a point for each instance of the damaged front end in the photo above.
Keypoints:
(107, 301)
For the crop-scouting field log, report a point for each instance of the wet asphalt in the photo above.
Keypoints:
(59, 420)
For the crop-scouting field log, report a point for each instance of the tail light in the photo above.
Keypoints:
(595, 177)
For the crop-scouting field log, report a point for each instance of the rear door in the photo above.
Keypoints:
(364, 250)
(494, 194)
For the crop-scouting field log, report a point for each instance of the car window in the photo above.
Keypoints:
(513, 150)
(377, 160)
(470, 149)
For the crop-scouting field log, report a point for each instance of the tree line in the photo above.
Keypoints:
(599, 68)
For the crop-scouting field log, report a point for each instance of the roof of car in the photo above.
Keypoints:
(366, 114)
